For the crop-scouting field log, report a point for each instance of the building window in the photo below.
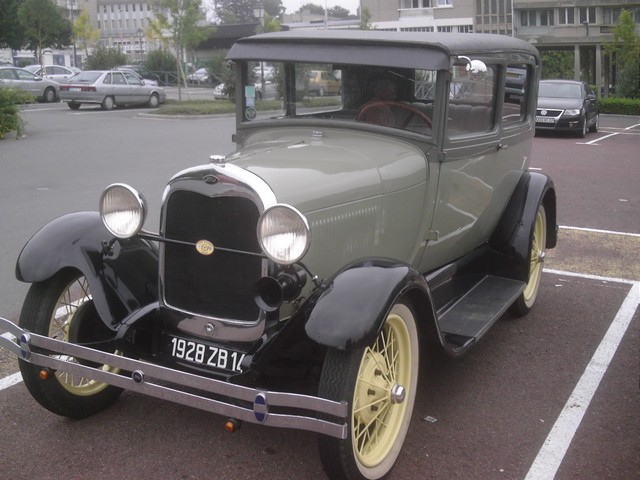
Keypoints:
(565, 16)
(588, 14)
(445, 3)
(536, 18)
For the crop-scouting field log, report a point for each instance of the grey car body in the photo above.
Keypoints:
(567, 105)
(43, 89)
(57, 73)
(297, 281)
(110, 89)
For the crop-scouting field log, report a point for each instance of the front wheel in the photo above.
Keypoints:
(108, 103)
(154, 100)
(49, 95)
(527, 298)
(380, 383)
(62, 308)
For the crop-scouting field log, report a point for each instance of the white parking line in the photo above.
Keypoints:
(595, 230)
(593, 142)
(546, 464)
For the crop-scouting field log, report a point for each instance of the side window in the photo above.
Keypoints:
(107, 79)
(472, 100)
(516, 91)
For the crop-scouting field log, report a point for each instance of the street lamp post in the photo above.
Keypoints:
(258, 12)
(140, 33)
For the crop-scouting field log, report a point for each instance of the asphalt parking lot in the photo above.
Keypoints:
(553, 395)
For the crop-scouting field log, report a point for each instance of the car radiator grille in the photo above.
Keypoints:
(221, 284)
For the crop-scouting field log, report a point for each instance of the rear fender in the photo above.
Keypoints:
(511, 239)
(122, 274)
(352, 308)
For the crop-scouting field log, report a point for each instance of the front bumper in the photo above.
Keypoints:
(168, 384)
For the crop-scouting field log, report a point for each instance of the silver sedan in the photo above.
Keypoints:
(43, 89)
(109, 89)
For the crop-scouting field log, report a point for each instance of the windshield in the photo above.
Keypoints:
(392, 97)
(560, 90)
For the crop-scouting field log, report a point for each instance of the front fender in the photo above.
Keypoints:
(122, 274)
(351, 310)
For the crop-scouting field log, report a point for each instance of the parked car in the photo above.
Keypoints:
(110, 89)
(220, 91)
(323, 82)
(58, 73)
(42, 89)
(202, 77)
(143, 72)
(299, 281)
(567, 105)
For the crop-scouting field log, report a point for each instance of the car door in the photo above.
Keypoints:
(137, 93)
(29, 82)
(120, 88)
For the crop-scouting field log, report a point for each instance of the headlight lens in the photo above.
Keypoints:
(572, 112)
(283, 233)
(123, 210)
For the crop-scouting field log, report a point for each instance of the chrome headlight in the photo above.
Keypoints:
(572, 112)
(283, 234)
(123, 210)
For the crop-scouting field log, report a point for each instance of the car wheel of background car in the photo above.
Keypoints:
(74, 105)
(49, 95)
(527, 298)
(154, 101)
(596, 123)
(107, 103)
(61, 308)
(583, 131)
(380, 383)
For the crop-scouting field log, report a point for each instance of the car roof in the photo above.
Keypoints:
(370, 47)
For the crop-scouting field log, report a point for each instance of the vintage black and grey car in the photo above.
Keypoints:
(297, 281)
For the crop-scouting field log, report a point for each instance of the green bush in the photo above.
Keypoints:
(620, 106)
(105, 58)
(10, 120)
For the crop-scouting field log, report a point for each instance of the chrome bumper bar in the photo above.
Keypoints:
(146, 377)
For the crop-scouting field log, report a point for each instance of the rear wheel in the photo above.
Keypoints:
(61, 308)
(154, 100)
(108, 103)
(49, 95)
(74, 105)
(380, 383)
(527, 298)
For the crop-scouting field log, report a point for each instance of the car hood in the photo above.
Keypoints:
(316, 170)
(559, 103)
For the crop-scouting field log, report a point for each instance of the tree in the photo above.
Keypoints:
(557, 64)
(338, 12)
(312, 8)
(365, 19)
(44, 25)
(11, 34)
(235, 11)
(273, 7)
(179, 28)
(84, 32)
(104, 58)
(625, 52)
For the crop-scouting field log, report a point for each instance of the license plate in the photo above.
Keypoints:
(75, 89)
(207, 355)
(545, 120)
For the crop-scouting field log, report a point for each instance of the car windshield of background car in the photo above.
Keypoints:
(559, 90)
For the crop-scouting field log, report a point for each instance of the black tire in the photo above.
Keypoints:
(596, 123)
(583, 127)
(380, 412)
(61, 308)
(49, 95)
(108, 103)
(537, 247)
(74, 105)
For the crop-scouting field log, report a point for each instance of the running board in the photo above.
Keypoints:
(472, 316)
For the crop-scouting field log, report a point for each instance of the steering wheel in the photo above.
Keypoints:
(366, 113)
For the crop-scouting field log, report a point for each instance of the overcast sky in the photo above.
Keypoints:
(293, 5)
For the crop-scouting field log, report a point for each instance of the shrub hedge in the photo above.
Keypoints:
(10, 120)
(620, 106)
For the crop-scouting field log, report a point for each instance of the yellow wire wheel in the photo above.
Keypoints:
(62, 308)
(380, 384)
